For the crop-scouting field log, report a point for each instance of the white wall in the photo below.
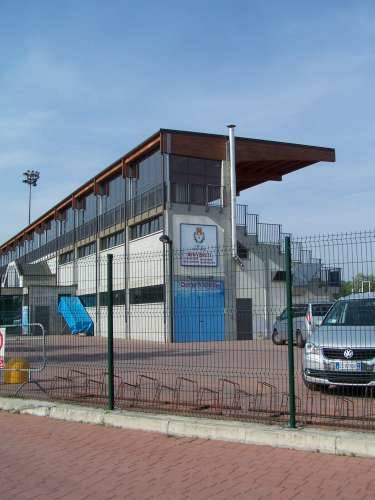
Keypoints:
(118, 267)
(66, 274)
(146, 261)
(147, 322)
(86, 275)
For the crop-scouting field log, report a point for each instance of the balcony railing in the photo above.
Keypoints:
(208, 195)
(135, 206)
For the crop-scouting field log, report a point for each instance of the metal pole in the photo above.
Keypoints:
(29, 204)
(171, 290)
(111, 403)
(292, 395)
(233, 189)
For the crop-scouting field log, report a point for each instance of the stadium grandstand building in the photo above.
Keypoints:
(167, 212)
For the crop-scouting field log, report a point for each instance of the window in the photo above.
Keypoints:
(358, 312)
(146, 294)
(88, 300)
(146, 227)
(149, 174)
(334, 277)
(66, 257)
(119, 298)
(320, 309)
(186, 170)
(86, 250)
(10, 309)
(279, 276)
(242, 251)
(112, 240)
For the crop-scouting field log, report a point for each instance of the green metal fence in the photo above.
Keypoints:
(283, 334)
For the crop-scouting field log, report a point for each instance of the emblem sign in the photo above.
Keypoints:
(348, 353)
(198, 245)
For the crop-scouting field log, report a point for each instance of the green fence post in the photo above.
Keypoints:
(292, 394)
(111, 402)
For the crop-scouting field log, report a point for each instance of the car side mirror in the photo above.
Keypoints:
(319, 322)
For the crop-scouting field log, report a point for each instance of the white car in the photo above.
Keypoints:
(342, 350)
(306, 317)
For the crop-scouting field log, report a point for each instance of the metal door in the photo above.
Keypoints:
(244, 319)
(199, 310)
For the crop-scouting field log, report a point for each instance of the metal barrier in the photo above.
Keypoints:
(35, 362)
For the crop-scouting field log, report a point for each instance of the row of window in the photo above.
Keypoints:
(141, 295)
(146, 227)
(112, 240)
(66, 257)
(86, 250)
(149, 173)
(115, 239)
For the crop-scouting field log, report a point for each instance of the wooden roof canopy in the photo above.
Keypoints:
(257, 161)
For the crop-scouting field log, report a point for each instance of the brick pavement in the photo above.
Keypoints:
(47, 459)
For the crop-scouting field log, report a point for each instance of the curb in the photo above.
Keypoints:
(359, 444)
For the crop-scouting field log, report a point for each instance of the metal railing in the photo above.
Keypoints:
(269, 233)
(197, 194)
(247, 343)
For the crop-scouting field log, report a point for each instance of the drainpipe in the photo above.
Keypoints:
(233, 189)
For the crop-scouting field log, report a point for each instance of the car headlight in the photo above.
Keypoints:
(311, 348)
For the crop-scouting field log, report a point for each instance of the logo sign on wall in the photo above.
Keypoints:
(198, 245)
(2, 347)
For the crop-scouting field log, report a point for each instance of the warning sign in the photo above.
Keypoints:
(2, 347)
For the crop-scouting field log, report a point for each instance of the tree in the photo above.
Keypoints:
(361, 283)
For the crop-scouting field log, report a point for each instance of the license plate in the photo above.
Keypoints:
(350, 366)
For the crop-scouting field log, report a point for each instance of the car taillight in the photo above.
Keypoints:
(309, 318)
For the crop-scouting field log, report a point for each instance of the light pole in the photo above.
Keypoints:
(165, 239)
(31, 178)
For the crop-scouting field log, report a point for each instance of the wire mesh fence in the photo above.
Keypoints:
(204, 333)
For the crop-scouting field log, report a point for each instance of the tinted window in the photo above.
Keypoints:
(85, 250)
(146, 227)
(299, 311)
(184, 170)
(146, 294)
(149, 174)
(320, 309)
(119, 298)
(88, 300)
(112, 240)
(360, 312)
(64, 258)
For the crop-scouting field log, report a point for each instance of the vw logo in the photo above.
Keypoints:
(348, 353)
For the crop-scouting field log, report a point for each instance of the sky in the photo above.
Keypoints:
(81, 83)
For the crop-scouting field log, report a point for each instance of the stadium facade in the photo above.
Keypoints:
(167, 211)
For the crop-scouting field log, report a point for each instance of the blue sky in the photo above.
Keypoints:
(83, 82)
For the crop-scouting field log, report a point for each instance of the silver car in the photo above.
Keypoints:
(306, 317)
(341, 352)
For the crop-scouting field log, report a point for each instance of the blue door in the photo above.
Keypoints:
(198, 310)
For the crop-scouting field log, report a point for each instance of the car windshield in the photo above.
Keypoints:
(298, 312)
(358, 312)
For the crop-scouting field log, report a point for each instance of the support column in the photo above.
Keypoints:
(230, 266)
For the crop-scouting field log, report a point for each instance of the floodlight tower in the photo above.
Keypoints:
(31, 178)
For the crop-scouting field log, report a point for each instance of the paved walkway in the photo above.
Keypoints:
(48, 460)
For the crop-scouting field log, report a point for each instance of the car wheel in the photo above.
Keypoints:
(300, 342)
(276, 338)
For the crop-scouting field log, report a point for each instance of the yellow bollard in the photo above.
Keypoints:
(13, 373)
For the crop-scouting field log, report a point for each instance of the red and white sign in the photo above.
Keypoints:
(2, 347)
